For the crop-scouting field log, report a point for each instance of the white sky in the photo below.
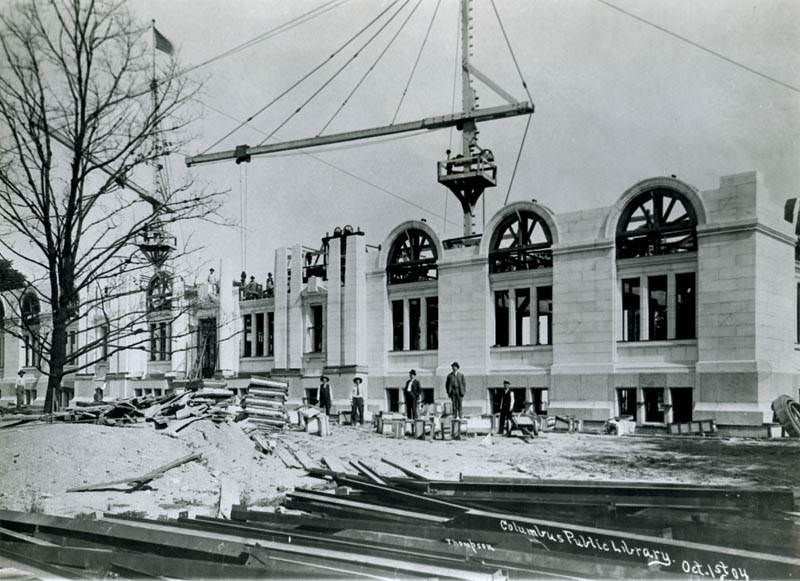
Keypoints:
(616, 102)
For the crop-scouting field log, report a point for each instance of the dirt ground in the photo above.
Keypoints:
(39, 462)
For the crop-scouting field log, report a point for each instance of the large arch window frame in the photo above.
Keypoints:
(412, 274)
(657, 222)
(656, 238)
(412, 258)
(522, 241)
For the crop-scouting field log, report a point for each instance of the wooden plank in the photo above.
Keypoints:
(269, 383)
(304, 459)
(335, 463)
(137, 481)
(364, 470)
(4, 532)
(287, 457)
(405, 468)
(228, 496)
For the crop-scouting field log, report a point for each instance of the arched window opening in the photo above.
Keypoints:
(521, 241)
(657, 222)
(30, 309)
(159, 292)
(412, 258)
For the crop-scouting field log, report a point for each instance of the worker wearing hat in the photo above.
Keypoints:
(19, 388)
(324, 394)
(456, 387)
(411, 391)
(506, 407)
(357, 402)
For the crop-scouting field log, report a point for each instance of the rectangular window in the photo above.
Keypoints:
(259, 334)
(414, 328)
(654, 405)
(523, 316)
(153, 342)
(270, 334)
(685, 327)
(397, 325)
(626, 397)
(432, 317)
(427, 396)
(103, 342)
(317, 328)
(163, 342)
(248, 331)
(657, 302)
(630, 309)
(501, 318)
(73, 343)
(544, 314)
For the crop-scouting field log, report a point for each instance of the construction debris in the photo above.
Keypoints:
(137, 482)
(265, 404)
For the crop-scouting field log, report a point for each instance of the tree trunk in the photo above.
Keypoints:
(55, 365)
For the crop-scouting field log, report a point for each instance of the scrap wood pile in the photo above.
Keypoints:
(410, 526)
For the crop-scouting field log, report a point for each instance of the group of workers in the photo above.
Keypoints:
(455, 386)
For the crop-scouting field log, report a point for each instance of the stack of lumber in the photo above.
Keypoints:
(265, 404)
(377, 525)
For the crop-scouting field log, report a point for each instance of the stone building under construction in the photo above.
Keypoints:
(670, 305)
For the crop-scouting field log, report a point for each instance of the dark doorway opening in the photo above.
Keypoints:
(392, 399)
(626, 397)
(207, 344)
(681, 404)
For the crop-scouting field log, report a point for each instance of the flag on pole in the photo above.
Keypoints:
(162, 43)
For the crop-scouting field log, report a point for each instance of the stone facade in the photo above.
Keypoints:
(705, 331)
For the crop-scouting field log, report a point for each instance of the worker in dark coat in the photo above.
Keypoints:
(506, 407)
(412, 391)
(324, 397)
(456, 387)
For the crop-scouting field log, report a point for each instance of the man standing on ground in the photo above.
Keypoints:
(411, 392)
(506, 407)
(456, 386)
(358, 403)
(19, 388)
(324, 394)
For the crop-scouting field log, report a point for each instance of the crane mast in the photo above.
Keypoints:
(466, 174)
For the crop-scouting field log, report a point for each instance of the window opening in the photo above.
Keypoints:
(248, 331)
(397, 325)
(496, 394)
(432, 322)
(523, 316)
(631, 312)
(626, 397)
(544, 298)
(393, 399)
(657, 222)
(259, 334)
(414, 327)
(657, 296)
(501, 331)
(412, 258)
(521, 241)
(685, 324)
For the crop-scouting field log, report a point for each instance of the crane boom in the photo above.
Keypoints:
(244, 152)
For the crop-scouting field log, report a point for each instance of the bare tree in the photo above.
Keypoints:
(81, 113)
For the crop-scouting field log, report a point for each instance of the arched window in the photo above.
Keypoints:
(412, 258)
(30, 309)
(656, 222)
(521, 241)
(159, 292)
